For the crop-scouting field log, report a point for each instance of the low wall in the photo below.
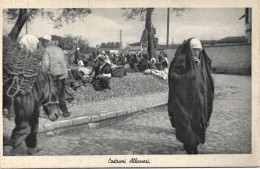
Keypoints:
(232, 59)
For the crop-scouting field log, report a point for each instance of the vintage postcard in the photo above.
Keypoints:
(89, 84)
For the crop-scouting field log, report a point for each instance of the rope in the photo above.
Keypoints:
(57, 102)
(50, 96)
(11, 86)
(25, 66)
(21, 73)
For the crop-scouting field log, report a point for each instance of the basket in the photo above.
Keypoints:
(20, 68)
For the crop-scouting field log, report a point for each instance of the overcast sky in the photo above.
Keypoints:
(104, 25)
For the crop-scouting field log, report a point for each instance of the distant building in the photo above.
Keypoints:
(164, 47)
(209, 42)
(136, 47)
(225, 41)
(110, 50)
(237, 39)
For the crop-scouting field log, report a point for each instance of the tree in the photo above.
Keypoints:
(103, 45)
(144, 13)
(83, 44)
(26, 15)
(117, 45)
(68, 42)
(113, 44)
(108, 44)
(148, 27)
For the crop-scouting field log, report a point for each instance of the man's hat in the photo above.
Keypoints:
(47, 37)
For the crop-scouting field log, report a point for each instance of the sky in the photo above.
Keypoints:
(104, 25)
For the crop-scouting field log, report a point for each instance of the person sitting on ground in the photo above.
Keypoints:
(118, 69)
(152, 64)
(82, 73)
(107, 60)
(143, 64)
(154, 71)
(132, 60)
(163, 61)
(127, 57)
(165, 54)
(102, 70)
(112, 57)
(138, 57)
(122, 59)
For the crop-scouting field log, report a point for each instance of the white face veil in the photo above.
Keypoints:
(29, 42)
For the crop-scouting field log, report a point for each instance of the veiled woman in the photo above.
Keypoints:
(191, 94)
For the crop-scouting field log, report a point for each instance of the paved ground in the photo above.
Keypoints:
(151, 133)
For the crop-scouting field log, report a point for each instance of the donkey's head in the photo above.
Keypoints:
(50, 101)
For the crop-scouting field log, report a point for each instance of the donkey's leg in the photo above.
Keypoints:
(22, 126)
(31, 139)
(19, 134)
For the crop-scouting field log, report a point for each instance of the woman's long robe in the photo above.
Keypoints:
(191, 93)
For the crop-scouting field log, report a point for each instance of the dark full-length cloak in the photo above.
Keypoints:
(191, 93)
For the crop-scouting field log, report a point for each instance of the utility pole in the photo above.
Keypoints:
(168, 18)
(26, 26)
(120, 38)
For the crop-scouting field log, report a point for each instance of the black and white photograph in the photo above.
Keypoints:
(127, 83)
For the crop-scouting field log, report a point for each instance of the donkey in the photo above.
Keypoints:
(27, 109)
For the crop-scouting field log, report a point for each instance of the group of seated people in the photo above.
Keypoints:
(105, 66)
(141, 63)
(100, 73)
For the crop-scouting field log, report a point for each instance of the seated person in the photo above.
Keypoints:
(163, 61)
(152, 64)
(112, 58)
(143, 64)
(107, 57)
(82, 73)
(132, 59)
(102, 70)
(122, 59)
